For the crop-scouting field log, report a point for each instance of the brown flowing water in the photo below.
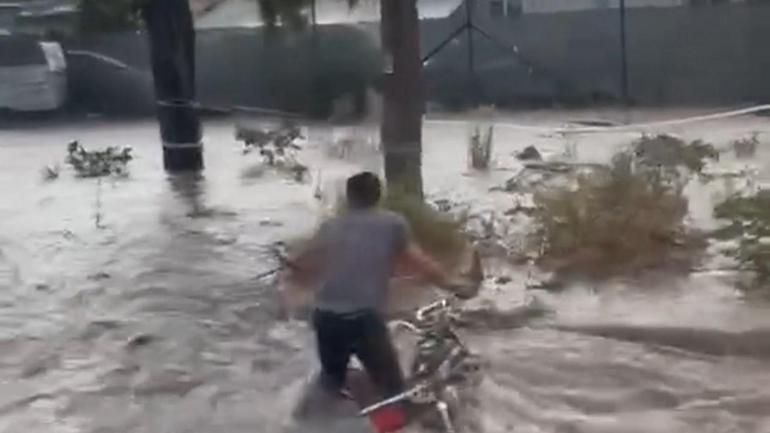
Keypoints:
(154, 321)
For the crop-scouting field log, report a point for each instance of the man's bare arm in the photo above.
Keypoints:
(305, 264)
(416, 261)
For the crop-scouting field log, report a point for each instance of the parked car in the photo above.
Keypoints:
(33, 74)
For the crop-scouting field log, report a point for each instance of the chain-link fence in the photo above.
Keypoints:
(648, 52)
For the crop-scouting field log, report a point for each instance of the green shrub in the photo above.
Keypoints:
(434, 231)
(749, 219)
(112, 161)
(746, 147)
(611, 217)
(669, 152)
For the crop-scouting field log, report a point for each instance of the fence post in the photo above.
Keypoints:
(623, 53)
(172, 49)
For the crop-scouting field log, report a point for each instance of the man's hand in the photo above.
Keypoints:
(462, 289)
(416, 261)
(469, 286)
(298, 277)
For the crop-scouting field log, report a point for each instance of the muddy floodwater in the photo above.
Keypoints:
(151, 321)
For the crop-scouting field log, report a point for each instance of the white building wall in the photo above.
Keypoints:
(548, 6)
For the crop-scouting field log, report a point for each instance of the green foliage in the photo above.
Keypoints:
(277, 147)
(669, 152)
(746, 147)
(612, 217)
(103, 16)
(97, 163)
(436, 232)
(749, 219)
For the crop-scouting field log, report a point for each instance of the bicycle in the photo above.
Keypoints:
(442, 369)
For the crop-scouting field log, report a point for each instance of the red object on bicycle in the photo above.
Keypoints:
(388, 419)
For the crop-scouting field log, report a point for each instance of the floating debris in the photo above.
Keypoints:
(267, 222)
(99, 276)
(139, 340)
(503, 280)
(530, 153)
(594, 123)
(50, 172)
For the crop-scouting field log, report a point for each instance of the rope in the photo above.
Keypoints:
(620, 128)
(408, 148)
(170, 145)
(226, 109)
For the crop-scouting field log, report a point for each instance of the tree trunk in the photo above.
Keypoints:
(172, 49)
(401, 130)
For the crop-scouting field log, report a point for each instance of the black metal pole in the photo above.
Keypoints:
(172, 50)
(314, 57)
(313, 16)
(471, 54)
(623, 53)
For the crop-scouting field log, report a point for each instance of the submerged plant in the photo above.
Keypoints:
(614, 216)
(669, 153)
(277, 147)
(749, 222)
(112, 161)
(480, 148)
(746, 147)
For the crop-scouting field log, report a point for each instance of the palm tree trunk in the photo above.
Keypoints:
(401, 130)
(172, 49)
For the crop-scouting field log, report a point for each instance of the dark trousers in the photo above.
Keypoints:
(365, 335)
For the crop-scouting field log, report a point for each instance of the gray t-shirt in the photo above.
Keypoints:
(359, 251)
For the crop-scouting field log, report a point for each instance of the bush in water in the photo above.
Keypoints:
(746, 147)
(668, 152)
(749, 222)
(436, 232)
(277, 147)
(613, 217)
(98, 163)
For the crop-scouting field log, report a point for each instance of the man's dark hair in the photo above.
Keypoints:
(363, 190)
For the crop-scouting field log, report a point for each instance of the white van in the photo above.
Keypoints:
(33, 74)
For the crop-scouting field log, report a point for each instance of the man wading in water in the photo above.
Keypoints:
(355, 256)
